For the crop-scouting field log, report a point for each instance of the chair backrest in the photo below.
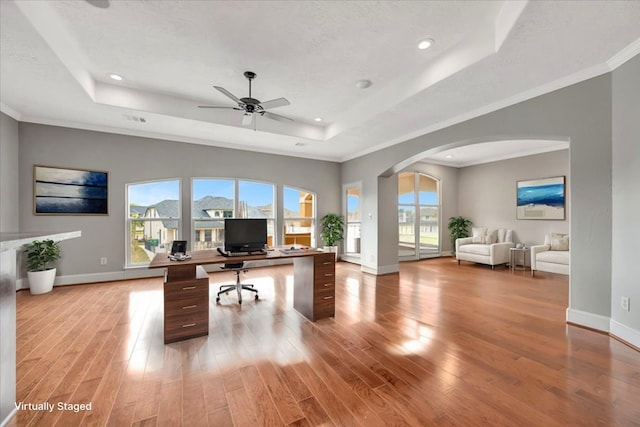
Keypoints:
(233, 266)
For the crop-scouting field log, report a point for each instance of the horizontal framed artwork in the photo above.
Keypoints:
(541, 198)
(65, 191)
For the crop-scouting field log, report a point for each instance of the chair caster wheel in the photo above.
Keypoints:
(240, 302)
(256, 298)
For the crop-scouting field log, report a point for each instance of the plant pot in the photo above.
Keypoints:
(41, 282)
(333, 249)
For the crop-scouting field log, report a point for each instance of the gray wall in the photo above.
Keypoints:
(581, 114)
(487, 194)
(626, 194)
(9, 183)
(131, 159)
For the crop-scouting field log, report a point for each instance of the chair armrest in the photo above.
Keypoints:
(463, 241)
(499, 252)
(535, 250)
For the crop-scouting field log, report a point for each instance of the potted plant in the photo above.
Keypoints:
(41, 254)
(458, 229)
(332, 231)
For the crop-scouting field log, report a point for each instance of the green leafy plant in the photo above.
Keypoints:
(41, 254)
(332, 229)
(458, 229)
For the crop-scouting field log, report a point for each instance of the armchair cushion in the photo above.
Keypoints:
(557, 242)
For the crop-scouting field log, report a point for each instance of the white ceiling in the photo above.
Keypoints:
(55, 57)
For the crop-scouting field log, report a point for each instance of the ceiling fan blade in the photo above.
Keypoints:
(228, 94)
(277, 117)
(279, 102)
(247, 118)
(212, 106)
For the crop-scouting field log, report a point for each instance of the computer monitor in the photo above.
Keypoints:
(179, 247)
(245, 234)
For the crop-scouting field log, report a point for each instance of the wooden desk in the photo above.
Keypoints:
(186, 288)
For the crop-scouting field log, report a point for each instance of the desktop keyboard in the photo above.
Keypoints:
(232, 254)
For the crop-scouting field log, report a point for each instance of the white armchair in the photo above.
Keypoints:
(553, 256)
(487, 246)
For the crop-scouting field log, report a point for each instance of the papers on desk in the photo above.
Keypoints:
(293, 251)
(179, 257)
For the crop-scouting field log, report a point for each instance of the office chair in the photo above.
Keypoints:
(225, 289)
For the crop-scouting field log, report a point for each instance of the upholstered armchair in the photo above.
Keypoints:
(553, 256)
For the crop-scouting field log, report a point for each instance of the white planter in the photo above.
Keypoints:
(41, 282)
(333, 249)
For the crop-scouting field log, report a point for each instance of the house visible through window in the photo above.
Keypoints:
(153, 220)
(213, 200)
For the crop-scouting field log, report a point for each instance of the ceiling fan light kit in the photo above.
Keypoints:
(252, 105)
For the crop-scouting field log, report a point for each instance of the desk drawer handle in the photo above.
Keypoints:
(188, 287)
(189, 306)
(188, 325)
(327, 298)
(327, 263)
(328, 284)
(328, 274)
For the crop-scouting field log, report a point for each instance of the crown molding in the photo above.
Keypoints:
(10, 111)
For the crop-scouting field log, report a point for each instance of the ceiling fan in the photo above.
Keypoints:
(252, 106)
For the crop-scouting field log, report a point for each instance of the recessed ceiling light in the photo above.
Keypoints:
(318, 119)
(363, 84)
(448, 156)
(115, 76)
(425, 44)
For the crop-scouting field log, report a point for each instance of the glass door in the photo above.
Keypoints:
(418, 216)
(353, 221)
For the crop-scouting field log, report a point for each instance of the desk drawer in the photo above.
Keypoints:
(324, 260)
(324, 287)
(186, 305)
(186, 289)
(185, 329)
(323, 309)
(323, 274)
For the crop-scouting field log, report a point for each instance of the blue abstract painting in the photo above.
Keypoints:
(541, 198)
(59, 191)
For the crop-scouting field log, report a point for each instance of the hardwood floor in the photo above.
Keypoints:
(438, 344)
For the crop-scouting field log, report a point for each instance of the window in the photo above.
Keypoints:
(216, 199)
(212, 201)
(153, 219)
(299, 217)
(418, 215)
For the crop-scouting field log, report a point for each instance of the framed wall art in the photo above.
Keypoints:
(541, 198)
(65, 191)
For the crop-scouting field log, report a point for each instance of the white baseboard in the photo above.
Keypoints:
(9, 417)
(589, 320)
(378, 270)
(625, 333)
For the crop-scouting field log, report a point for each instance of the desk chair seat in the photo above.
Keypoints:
(225, 289)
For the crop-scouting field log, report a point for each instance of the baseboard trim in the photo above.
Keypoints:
(625, 334)
(9, 417)
(589, 320)
(380, 270)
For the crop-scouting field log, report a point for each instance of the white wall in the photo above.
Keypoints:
(626, 200)
(487, 194)
(133, 159)
(9, 183)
